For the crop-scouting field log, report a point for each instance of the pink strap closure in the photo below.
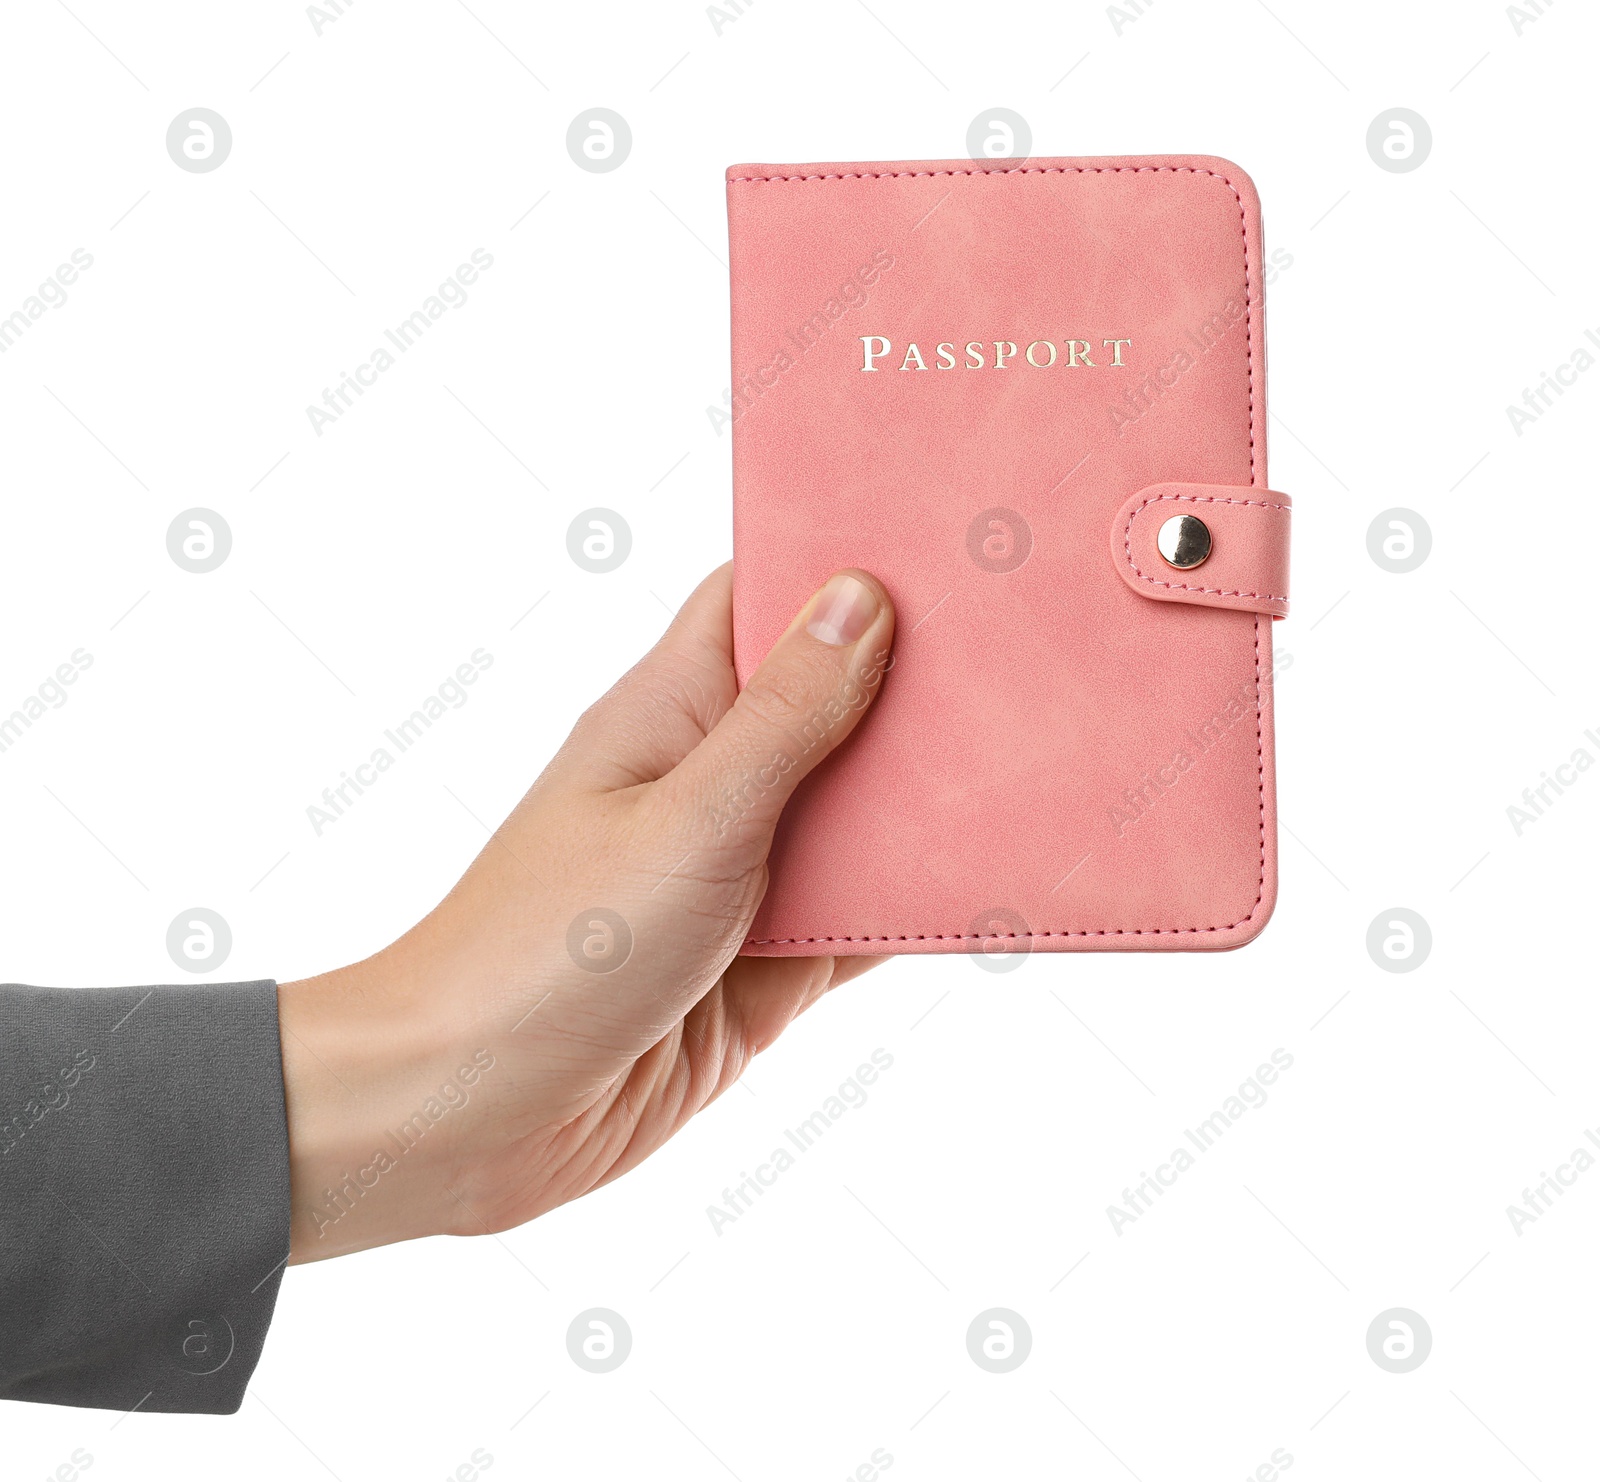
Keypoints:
(1248, 568)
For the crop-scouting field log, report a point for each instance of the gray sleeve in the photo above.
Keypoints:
(144, 1193)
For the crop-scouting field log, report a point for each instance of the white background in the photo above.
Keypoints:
(829, 1322)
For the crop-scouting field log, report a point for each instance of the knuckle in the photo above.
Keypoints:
(781, 696)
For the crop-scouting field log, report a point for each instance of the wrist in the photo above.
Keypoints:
(366, 1082)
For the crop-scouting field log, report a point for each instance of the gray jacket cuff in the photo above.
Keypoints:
(144, 1193)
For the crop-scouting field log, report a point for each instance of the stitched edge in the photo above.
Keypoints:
(1015, 170)
(1250, 372)
(1180, 586)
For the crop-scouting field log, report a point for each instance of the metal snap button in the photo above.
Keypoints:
(1184, 542)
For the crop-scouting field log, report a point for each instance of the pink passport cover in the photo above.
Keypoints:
(1072, 749)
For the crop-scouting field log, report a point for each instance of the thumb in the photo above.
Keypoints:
(807, 695)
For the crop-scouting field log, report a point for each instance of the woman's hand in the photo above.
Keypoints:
(577, 997)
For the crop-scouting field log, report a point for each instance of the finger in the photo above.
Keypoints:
(662, 708)
(763, 996)
(846, 968)
(807, 696)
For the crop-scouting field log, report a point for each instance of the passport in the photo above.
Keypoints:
(1030, 397)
